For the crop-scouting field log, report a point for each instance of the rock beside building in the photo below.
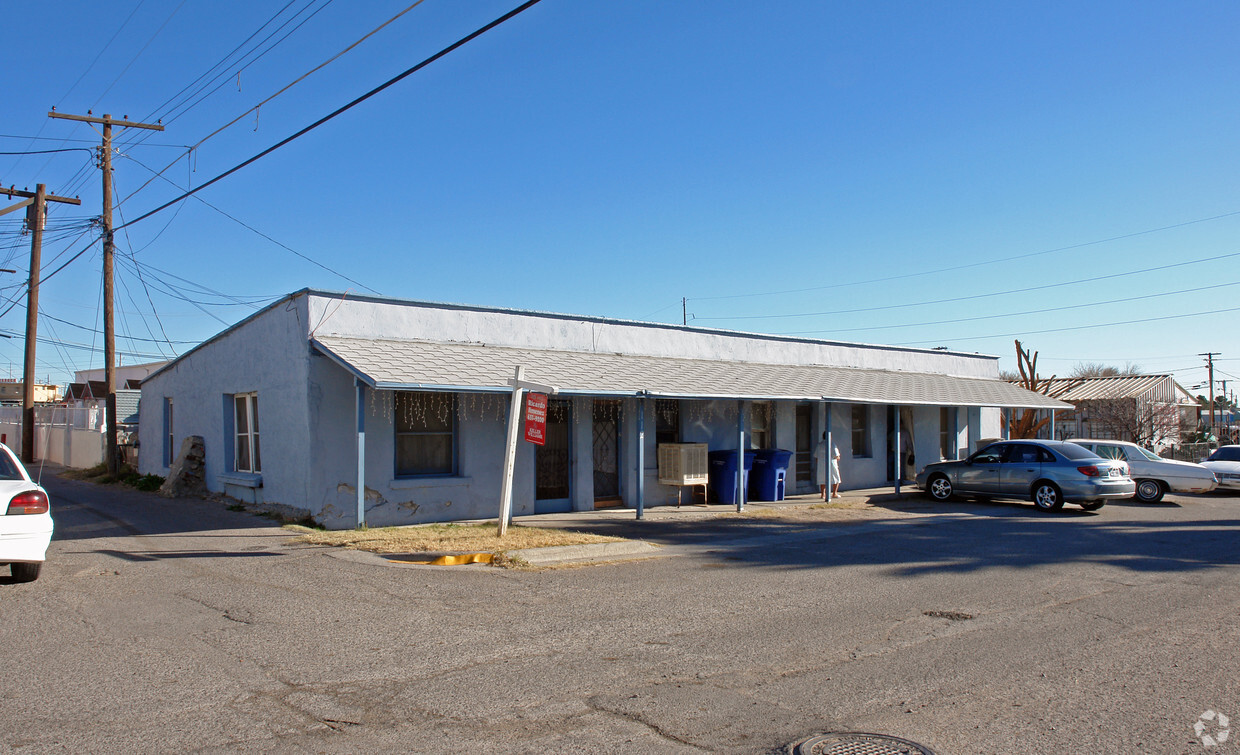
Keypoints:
(187, 474)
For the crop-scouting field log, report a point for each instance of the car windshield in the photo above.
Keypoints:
(1226, 453)
(1149, 454)
(1073, 452)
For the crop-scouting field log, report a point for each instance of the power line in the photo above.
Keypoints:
(346, 107)
(225, 77)
(282, 90)
(251, 228)
(138, 54)
(994, 261)
(971, 297)
(49, 151)
(1076, 327)
(102, 50)
(1041, 310)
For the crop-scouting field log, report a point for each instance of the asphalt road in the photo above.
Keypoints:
(180, 626)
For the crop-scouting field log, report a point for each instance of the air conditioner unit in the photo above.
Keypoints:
(683, 464)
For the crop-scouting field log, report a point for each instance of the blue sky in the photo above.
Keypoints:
(933, 174)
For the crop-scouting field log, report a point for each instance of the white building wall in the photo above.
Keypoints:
(330, 316)
(268, 354)
(308, 423)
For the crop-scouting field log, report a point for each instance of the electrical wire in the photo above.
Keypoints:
(1076, 327)
(284, 89)
(971, 297)
(1039, 311)
(390, 82)
(139, 53)
(994, 261)
(251, 228)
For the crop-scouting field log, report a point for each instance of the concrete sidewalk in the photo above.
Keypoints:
(672, 530)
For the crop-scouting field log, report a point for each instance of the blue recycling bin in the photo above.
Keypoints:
(722, 479)
(770, 473)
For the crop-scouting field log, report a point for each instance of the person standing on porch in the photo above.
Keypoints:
(833, 468)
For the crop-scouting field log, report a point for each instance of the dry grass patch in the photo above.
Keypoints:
(840, 510)
(446, 538)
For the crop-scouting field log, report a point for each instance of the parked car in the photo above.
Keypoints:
(1225, 464)
(1154, 476)
(25, 520)
(1048, 472)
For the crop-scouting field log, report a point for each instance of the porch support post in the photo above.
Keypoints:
(361, 453)
(899, 460)
(830, 450)
(641, 457)
(1052, 424)
(740, 455)
(1007, 422)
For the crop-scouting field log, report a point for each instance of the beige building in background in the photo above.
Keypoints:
(11, 390)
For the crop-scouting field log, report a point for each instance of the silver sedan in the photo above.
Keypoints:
(1048, 472)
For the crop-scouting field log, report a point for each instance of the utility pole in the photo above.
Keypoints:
(1210, 362)
(109, 331)
(36, 215)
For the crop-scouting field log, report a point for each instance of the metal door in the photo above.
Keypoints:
(553, 461)
(606, 448)
(981, 474)
(805, 447)
(1022, 466)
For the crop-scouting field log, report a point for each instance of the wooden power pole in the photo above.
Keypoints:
(109, 332)
(36, 214)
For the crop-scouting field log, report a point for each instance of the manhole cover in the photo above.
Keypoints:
(859, 743)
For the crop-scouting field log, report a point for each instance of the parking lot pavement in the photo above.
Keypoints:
(969, 627)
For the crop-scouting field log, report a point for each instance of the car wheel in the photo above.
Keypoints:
(1149, 491)
(1093, 505)
(1047, 497)
(25, 572)
(939, 488)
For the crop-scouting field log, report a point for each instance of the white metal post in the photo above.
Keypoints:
(510, 451)
(830, 451)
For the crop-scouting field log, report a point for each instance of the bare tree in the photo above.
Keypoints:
(1029, 423)
(1148, 424)
(1098, 369)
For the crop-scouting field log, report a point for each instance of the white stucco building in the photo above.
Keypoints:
(300, 401)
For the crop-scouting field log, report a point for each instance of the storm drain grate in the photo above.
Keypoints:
(859, 743)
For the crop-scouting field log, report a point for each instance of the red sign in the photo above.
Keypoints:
(536, 418)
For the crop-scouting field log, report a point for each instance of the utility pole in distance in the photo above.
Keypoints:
(109, 331)
(1210, 362)
(36, 214)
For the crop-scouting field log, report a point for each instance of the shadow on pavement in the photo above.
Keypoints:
(997, 534)
(87, 511)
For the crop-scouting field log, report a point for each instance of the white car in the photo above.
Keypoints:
(1154, 475)
(1225, 464)
(25, 519)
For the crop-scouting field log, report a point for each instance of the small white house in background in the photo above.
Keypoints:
(127, 375)
(292, 400)
(1150, 410)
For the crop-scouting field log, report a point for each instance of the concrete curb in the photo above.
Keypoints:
(565, 554)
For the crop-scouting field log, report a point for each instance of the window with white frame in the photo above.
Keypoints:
(246, 455)
(170, 450)
(425, 426)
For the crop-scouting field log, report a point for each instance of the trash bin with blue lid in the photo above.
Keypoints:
(723, 474)
(770, 473)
